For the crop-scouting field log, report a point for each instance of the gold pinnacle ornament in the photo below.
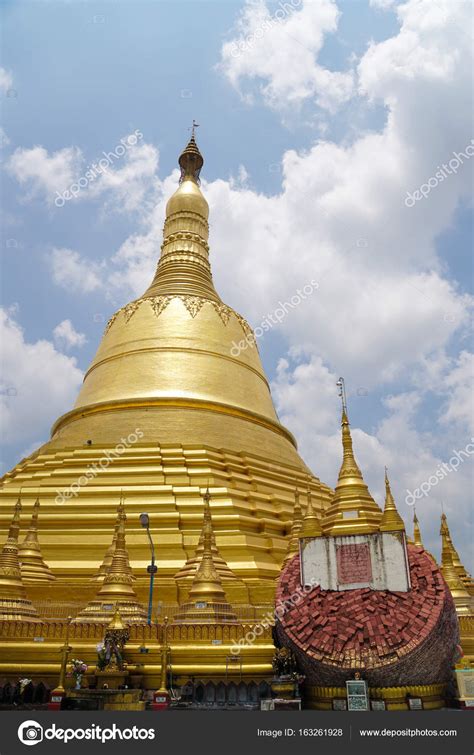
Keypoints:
(311, 522)
(207, 601)
(391, 520)
(104, 568)
(32, 565)
(14, 605)
(296, 525)
(117, 592)
(416, 531)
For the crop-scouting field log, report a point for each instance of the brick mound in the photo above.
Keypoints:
(396, 638)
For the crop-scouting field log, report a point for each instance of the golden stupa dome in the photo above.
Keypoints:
(179, 347)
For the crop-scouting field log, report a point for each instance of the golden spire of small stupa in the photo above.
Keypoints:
(207, 599)
(109, 554)
(455, 584)
(461, 571)
(190, 567)
(32, 565)
(311, 523)
(293, 543)
(116, 589)
(391, 520)
(353, 510)
(416, 531)
(14, 605)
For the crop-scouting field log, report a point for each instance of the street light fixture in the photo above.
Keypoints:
(151, 568)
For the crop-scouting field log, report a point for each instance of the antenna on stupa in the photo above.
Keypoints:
(193, 129)
(342, 393)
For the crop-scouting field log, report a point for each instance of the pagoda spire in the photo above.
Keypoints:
(192, 564)
(104, 568)
(207, 601)
(461, 571)
(293, 543)
(32, 565)
(416, 531)
(448, 570)
(353, 510)
(311, 523)
(14, 605)
(116, 590)
(391, 520)
(184, 268)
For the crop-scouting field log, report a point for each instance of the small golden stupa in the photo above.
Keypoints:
(32, 565)
(207, 601)
(311, 522)
(391, 520)
(14, 604)
(116, 592)
(296, 525)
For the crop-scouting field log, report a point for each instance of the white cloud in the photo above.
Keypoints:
(6, 80)
(67, 337)
(75, 273)
(38, 383)
(44, 174)
(63, 177)
(281, 49)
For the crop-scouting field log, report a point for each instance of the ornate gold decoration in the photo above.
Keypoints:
(391, 520)
(32, 565)
(14, 605)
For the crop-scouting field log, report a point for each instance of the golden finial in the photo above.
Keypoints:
(311, 524)
(391, 520)
(190, 159)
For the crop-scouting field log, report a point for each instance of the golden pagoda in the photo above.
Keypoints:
(391, 520)
(116, 592)
(166, 407)
(32, 565)
(14, 604)
(296, 525)
(352, 511)
(207, 599)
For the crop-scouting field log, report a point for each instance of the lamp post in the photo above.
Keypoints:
(152, 568)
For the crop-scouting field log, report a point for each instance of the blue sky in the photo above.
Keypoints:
(312, 135)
